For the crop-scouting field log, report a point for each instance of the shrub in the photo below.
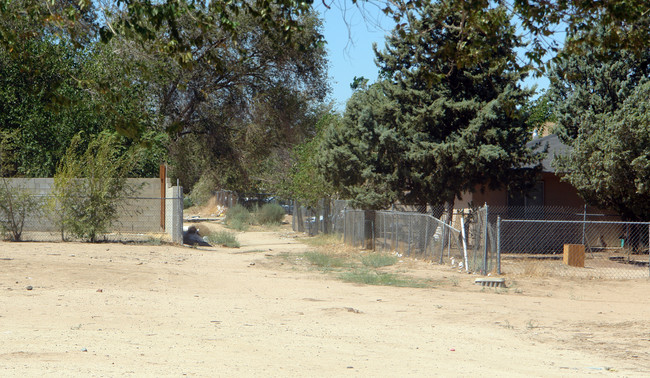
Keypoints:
(203, 190)
(238, 217)
(16, 204)
(91, 185)
(224, 238)
(270, 213)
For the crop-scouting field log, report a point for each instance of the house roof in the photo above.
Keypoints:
(555, 148)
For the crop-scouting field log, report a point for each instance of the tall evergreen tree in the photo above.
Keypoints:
(446, 117)
(602, 100)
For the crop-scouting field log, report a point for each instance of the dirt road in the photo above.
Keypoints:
(146, 310)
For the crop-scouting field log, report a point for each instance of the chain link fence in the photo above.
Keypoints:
(407, 232)
(226, 198)
(326, 217)
(538, 242)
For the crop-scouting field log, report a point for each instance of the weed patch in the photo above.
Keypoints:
(325, 261)
(224, 238)
(322, 240)
(376, 260)
(238, 218)
(270, 214)
(371, 277)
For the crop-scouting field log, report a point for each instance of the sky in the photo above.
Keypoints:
(350, 34)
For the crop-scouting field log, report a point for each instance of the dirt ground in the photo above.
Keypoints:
(72, 309)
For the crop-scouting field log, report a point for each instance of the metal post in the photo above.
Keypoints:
(396, 247)
(426, 236)
(584, 222)
(410, 233)
(345, 229)
(442, 240)
(499, 245)
(485, 242)
(462, 234)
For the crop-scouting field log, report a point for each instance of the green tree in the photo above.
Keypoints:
(91, 185)
(360, 154)
(540, 112)
(602, 102)
(609, 164)
(306, 182)
(17, 203)
(593, 82)
(245, 114)
(445, 119)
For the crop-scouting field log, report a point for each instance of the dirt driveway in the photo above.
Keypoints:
(146, 310)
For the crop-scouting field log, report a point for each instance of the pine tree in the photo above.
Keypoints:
(602, 99)
(446, 116)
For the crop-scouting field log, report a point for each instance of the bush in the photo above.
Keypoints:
(224, 238)
(203, 190)
(16, 204)
(238, 217)
(270, 213)
(91, 185)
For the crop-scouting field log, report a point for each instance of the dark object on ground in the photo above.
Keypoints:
(192, 237)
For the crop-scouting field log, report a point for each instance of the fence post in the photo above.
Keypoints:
(176, 222)
(442, 240)
(410, 234)
(584, 222)
(426, 236)
(462, 232)
(345, 230)
(499, 244)
(485, 241)
(383, 221)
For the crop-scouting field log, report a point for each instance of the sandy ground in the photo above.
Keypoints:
(146, 310)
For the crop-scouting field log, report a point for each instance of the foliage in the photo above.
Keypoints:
(223, 238)
(626, 22)
(203, 190)
(17, 204)
(246, 112)
(609, 164)
(307, 182)
(270, 213)
(375, 260)
(371, 277)
(238, 217)
(325, 260)
(51, 90)
(540, 113)
(322, 240)
(442, 121)
(91, 185)
(602, 100)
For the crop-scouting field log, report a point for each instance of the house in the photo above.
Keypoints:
(550, 199)
(549, 191)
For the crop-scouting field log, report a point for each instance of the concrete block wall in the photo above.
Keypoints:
(141, 214)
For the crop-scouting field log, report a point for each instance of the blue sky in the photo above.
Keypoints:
(350, 34)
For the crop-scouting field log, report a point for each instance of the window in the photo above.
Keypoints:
(533, 198)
